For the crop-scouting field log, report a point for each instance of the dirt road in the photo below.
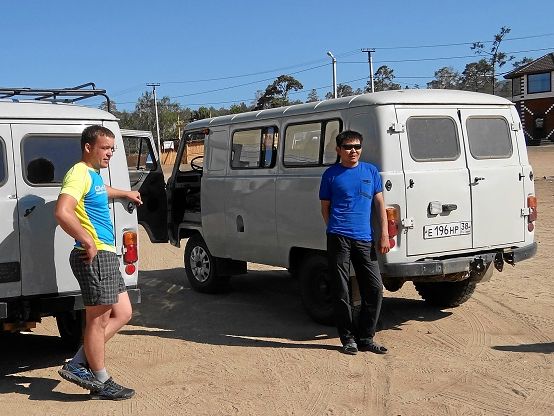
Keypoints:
(254, 351)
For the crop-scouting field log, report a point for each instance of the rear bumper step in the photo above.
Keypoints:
(453, 265)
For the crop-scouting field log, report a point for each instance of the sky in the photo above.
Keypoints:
(218, 53)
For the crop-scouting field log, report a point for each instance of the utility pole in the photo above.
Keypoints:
(370, 60)
(154, 85)
(334, 73)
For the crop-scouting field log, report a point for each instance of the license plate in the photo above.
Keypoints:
(447, 230)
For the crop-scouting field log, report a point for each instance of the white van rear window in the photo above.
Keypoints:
(46, 159)
(433, 139)
(489, 138)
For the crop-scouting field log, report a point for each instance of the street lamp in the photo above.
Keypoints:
(334, 73)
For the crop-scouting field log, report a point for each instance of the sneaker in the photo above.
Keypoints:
(350, 348)
(80, 375)
(373, 347)
(112, 391)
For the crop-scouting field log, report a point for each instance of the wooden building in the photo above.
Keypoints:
(533, 95)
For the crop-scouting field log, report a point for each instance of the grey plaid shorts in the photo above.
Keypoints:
(101, 282)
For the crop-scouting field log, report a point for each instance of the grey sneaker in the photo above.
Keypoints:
(112, 391)
(80, 375)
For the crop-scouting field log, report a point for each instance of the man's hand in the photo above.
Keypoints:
(89, 252)
(384, 244)
(134, 196)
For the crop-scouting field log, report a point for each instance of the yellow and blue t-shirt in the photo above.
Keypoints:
(87, 187)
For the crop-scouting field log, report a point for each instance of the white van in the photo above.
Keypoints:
(39, 142)
(457, 184)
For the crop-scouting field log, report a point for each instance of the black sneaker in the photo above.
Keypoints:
(350, 348)
(80, 375)
(112, 391)
(373, 347)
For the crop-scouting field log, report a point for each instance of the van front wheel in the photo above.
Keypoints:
(446, 294)
(200, 267)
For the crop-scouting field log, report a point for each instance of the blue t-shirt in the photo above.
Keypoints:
(351, 192)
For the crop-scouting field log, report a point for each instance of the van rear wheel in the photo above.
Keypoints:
(315, 289)
(446, 294)
(70, 327)
(200, 267)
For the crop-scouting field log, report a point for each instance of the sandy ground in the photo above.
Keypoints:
(254, 351)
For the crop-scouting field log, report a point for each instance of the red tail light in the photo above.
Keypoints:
(392, 226)
(130, 247)
(533, 213)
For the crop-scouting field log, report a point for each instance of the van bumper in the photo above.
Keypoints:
(456, 264)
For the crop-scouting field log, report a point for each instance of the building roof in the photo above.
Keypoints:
(543, 64)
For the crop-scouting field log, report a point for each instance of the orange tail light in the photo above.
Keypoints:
(130, 247)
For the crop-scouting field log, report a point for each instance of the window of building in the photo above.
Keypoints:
(254, 148)
(432, 139)
(538, 83)
(516, 86)
(311, 144)
(489, 138)
(3, 167)
(46, 159)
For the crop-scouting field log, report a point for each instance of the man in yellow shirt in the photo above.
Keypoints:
(83, 212)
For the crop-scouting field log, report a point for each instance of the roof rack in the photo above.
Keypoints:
(71, 95)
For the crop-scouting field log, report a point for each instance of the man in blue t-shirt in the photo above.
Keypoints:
(347, 192)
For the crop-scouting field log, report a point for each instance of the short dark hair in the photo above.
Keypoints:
(91, 133)
(348, 135)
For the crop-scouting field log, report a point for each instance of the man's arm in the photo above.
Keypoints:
(132, 196)
(384, 245)
(325, 210)
(65, 215)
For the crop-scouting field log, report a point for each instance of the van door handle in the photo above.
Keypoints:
(478, 178)
(449, 207)
(29, 210)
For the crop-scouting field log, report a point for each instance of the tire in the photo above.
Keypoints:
(315, 289)
(446, 294)
(70, 327)
(392, 284)
(200, 267)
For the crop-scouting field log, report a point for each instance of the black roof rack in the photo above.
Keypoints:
(70, 95)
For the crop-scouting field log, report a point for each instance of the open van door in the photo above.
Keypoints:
(146, 176)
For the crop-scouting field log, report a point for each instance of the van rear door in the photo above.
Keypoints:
(496, 176)
(438, 201)
(45, 154)
(10, 278)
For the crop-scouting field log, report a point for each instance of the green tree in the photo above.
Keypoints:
(276, 94)
(475, 77)
(312, 96)
(343, 90)
(524, 61)
(383, 80)
(445, 78)
(496, 58)
(239, 108)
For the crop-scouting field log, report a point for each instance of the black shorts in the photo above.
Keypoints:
(101, 282)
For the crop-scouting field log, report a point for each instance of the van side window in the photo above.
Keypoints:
(46, 159)
(191, 146)
(254, 148)
(138, 153)
(489, 138)
(311, 144)
(3, 170)
(432, 139)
